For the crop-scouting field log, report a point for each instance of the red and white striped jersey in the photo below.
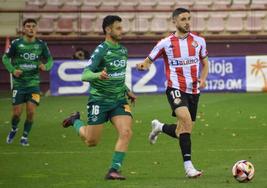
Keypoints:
(182, 57)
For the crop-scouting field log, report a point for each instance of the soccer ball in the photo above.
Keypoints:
(243, 171)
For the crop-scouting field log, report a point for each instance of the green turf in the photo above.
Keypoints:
(229, 127)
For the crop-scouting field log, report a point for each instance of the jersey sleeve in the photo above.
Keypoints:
(96, 58)
(126, 51)
(157, 51)
(9, 54)
(46, 52)
(203, 50)
(47, 55)
(11, 51)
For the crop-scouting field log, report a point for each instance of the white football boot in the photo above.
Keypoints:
(156, 129)
(192, 173)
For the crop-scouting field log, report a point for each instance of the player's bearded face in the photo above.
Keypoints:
(116, 31)
(30, 29)
(183, 22)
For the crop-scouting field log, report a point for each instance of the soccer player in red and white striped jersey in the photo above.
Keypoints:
(183, 52)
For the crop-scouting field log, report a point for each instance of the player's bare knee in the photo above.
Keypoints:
(17, 113)
(186, 126)
(126, 134)
(91, 142)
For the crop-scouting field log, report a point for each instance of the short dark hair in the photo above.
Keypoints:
(179, 11)
(109, 20)
(29, 20)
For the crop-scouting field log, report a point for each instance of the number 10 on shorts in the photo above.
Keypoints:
(175, 94)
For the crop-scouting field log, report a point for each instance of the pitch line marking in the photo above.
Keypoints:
(84, 152)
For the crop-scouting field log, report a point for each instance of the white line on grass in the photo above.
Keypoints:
(84, 152)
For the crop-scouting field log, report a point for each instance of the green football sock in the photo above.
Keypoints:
(117, 159)
(27, 128)
(77, 125)
(14, 122)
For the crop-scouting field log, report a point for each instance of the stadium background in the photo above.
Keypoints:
(231, 27)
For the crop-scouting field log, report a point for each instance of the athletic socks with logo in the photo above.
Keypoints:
(185, 145)
(117, 160)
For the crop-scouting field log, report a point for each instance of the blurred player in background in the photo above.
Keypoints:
(24, 59)
(107, 95)
(182, 53)
(81, 54)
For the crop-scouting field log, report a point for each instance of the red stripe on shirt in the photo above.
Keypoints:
(159, 54)
(191, 48)
(167, 69)
(194, 78)
(181, 78)
(175, 47)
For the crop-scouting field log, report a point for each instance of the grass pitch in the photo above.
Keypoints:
(229, 127)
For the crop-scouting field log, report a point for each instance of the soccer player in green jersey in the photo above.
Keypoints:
(107, 95)
(24, 59)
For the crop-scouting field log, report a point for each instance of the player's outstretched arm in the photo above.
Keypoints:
(89, 75)
(144, 65)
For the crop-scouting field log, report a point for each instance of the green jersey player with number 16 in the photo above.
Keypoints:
(24, 59)
(107, 95)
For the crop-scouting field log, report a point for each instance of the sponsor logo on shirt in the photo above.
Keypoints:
(177, 62)
(28, 66)
(29, 56)
(117, 74)
(118, 63)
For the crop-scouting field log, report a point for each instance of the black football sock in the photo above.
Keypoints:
(27, 128)
(15, 122)
(170, 129)
(185, 145)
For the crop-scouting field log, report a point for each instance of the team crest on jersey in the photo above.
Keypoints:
(21, 45)
(36, 46)
(195, 44)
(123, 51)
